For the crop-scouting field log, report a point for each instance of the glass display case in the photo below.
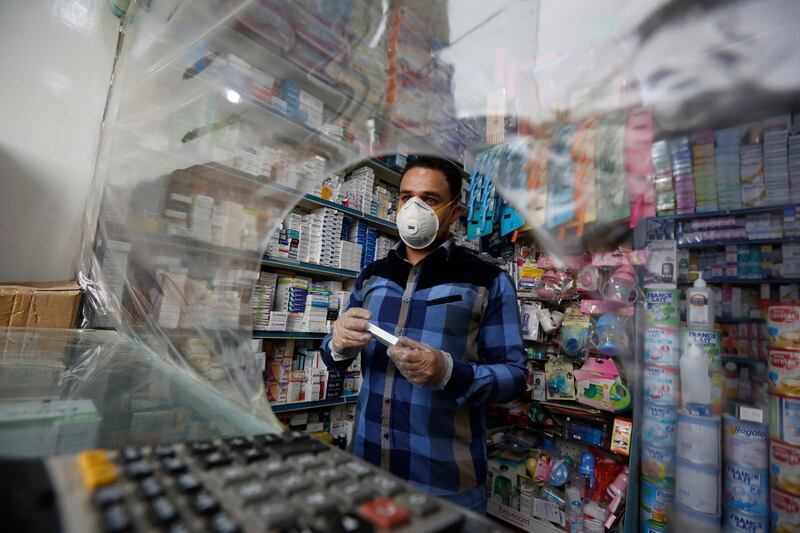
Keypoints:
(64, 391)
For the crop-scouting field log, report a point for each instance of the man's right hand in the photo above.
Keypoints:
(350, 330)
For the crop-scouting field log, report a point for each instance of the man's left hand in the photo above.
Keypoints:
(421, 364)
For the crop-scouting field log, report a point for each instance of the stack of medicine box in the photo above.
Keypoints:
(776, 159)
(358, 189)
(301, 105)
(290, 296)
(325, 227)
(280, 355)
(703, 166)
(285, 242)
(263, 296)
(383, 203)
(349, 256)
(682, 176)
(662, 170)
(313, 168)
(791, 224)
(227, 223)
(316, 313)
(794, 168)
(200, 217)
(751, 161)
(365, 236)
(726, 155)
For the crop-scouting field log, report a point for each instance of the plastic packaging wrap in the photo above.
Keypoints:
(222, 113)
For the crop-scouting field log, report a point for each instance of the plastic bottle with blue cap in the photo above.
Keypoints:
(586, 469)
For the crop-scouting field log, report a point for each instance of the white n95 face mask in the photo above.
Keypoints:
(418, 224)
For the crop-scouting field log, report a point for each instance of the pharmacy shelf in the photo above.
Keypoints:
(310, 200)
(738, 320)
(741, 281)
(305, 406)
(320, 270)
(519, 520)
(728, 320)
(379, 223)
(729, 212)
(340, 98)
(736, 242)
(299, 335)
(740, 359)
(116, 231)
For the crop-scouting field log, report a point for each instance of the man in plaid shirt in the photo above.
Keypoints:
(421, 408)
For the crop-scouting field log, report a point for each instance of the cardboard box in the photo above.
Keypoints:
(50, 304)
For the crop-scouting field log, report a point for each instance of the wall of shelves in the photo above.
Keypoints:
(306, 406)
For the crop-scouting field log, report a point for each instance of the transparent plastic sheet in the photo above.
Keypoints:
(64, 391)
(576, 112)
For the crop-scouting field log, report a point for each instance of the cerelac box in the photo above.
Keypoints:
(783, 326)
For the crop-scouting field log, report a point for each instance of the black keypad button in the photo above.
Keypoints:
(274, 469)
(268, 439)
(130, 454)
(106, 496)
(138, 469)
(299, 447)
(335, 522)
(163, 511)
(116, 519)
(238, 443)
(355, 493)
(251, 455)
(188, 483)
(352, 523)
(223, 523)
(292, 484)
(356, 469)
(386, 486)
(304, 463)
(163, 450)
(215, 459)
(418, 503)
(173, 465)
(252, 492)
(234, 474)
(278, 516)
(205, 504)
(319, 502)
(330, 475)
(201, 447)
(149, 488)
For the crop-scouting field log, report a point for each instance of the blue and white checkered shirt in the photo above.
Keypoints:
(464, 306)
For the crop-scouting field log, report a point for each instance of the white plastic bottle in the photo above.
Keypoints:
(574, 510)
(695, 382)
(699, 305)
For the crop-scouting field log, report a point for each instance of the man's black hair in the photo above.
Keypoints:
(451, 170)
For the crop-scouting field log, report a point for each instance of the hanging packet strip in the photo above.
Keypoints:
(583, 149)
(561, 179)
(639, 165)
(611, 183)
(536, 167)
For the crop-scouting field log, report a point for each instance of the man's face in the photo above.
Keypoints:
(431, 187)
